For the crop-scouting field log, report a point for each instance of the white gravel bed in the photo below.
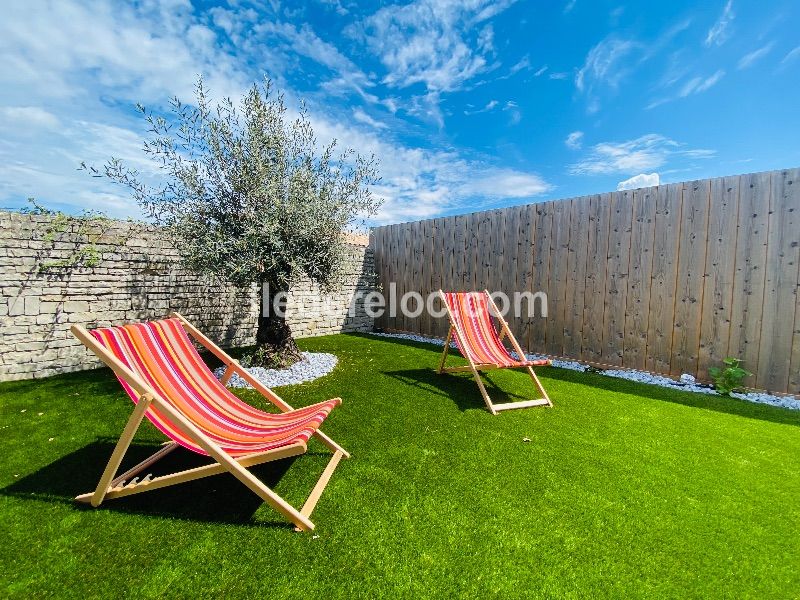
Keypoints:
(686, 382)
(313, 366)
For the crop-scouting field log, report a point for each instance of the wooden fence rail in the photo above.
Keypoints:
(669, 279)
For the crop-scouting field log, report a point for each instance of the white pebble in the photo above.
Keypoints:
(313, 366)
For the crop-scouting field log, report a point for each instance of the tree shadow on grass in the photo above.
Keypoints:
(461, 388)
(722, 404)
(219, 498)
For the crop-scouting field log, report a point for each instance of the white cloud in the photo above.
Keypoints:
(645, 153)
(604, 64)
(512, 108)
(420, 183)
(431, 42)
(574, 140)
(639, 181)
(32, 116)
(749, 59)
(497, 183)
(791, 55)
(719, 32)
(523, 63)
(143, 52)
(362, 117)
(559, 75)
(697, 85)
(491, 105)
(569, 6)
(540, 71)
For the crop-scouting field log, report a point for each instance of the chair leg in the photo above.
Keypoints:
(482, 388)
(119, 450)
(539, 386)
(446, 350)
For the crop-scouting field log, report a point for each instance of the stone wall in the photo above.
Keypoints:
(137, 276)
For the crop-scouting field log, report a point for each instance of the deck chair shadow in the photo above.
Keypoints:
(172, 387)
(476, 337)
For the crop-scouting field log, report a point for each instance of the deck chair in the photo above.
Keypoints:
(160, 369)
(475, 335)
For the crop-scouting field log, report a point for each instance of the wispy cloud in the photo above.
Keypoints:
(645, 153)
(441, 45)
(30, 116)
(639, 181)
(569, 6)
(523, 64)
(604, 63)
(512, 108)
(362, 117)
(749, 59)
(720, 31)
(491, 105)
(574, 140)
(605, 66)
(792, 54)
(540, 71)
(303, 41)
(697, 85)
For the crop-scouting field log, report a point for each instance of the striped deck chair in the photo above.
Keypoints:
(169, 383)
(471, 323)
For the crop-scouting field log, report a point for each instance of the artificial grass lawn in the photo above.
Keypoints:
(623, 490)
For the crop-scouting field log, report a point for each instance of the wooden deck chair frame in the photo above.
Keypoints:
(476, 368)
(114, 486)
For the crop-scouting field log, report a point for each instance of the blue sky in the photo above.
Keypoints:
(468, 105)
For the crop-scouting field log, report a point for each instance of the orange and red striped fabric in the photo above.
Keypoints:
(162, 354)
(473, 323)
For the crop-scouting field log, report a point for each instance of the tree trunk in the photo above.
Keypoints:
(275, 346)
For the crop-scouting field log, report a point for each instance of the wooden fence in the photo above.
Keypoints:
(668, 279)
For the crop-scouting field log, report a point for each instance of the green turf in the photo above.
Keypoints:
(624, 490)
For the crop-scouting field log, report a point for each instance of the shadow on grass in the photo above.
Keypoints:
(722, 404)
(460, 388)
(218, 499)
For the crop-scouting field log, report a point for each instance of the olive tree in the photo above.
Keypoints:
(248, 196)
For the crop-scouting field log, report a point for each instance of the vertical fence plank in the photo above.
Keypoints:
(499, 224)
(619, 247)
(576, 277)
(640, 272)
(376, 240)
(425, 241)
(511, 264)
(540, 277)
(691, 267)
(597, 261)
(557, 286)
(719, 273)
(389, 321)
(748, 277)
(405, 274)
(438, 269)
(524, 275)
(662, 286)
(783, 254)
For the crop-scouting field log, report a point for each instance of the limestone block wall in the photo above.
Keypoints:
(137, 275)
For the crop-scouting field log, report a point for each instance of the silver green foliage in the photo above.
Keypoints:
(246, 192)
